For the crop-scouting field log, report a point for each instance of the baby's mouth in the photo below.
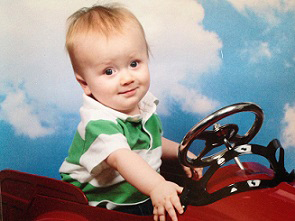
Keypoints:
(128, 91)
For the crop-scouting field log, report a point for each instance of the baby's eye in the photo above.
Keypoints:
(134, 64)
(109, 72)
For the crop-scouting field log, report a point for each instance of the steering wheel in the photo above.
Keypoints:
(227, 134)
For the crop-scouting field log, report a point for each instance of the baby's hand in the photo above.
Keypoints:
(164, 197)
(197, 171)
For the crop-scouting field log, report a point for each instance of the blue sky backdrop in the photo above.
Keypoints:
(206, 54)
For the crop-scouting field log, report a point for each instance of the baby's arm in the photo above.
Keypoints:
(137, 172)
(170, 151)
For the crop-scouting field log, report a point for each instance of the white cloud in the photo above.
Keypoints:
(257, 51)
(288, 135)
(269, 10)
(32, 51)
(34, 61)
(22, 116)
(192, 101)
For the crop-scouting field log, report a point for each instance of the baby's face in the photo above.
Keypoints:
(114, 70)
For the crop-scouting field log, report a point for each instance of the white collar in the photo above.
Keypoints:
(147, 107)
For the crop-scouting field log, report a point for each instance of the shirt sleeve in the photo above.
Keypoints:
(102, 138)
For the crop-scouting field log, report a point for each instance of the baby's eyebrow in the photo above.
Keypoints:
(103, 63)
(136, 55)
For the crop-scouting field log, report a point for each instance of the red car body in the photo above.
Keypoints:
(31, 197)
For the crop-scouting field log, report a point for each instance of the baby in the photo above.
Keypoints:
(116, 152)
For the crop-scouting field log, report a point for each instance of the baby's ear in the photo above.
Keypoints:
(83, 84)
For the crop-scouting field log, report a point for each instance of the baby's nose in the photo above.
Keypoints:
(127, 78)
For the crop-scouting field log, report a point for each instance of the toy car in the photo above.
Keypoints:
(240, 191)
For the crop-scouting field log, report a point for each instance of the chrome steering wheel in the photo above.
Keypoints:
(226, 134)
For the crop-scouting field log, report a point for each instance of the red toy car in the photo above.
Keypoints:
(241, 191)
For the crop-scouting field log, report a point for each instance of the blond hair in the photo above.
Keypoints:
(98, 19)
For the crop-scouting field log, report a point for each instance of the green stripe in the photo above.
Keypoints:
(154, 126)
(121, 193)
(137, 137)
(98, 127)
(93, 130)
(76, 149)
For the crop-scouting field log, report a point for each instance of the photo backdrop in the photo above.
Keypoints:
(205, 55)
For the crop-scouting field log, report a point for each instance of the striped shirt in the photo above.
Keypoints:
(102, 131)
